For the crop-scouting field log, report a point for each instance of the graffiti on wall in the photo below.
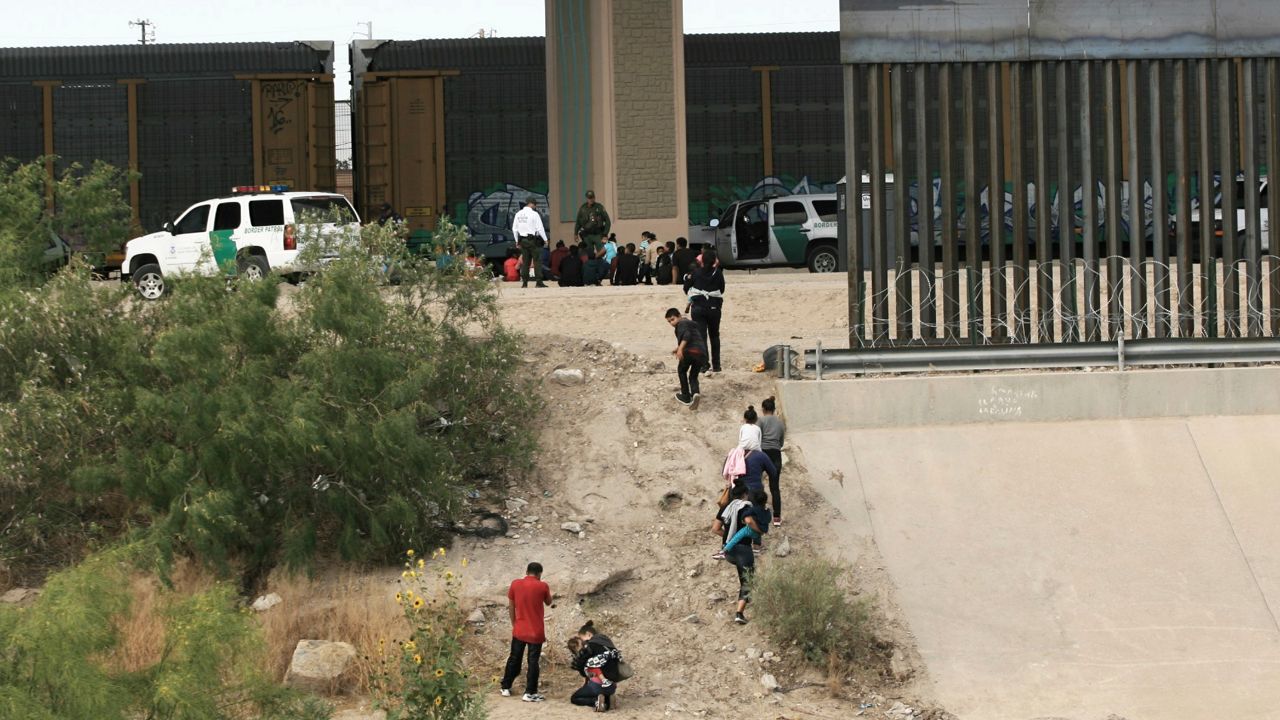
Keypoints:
(720, 197)
(488, 214)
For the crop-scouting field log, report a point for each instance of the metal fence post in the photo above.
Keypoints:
(786, 362)
(1120, 350)
(818, 360)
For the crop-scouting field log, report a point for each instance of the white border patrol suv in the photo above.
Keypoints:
(252, 232)
(796, 230)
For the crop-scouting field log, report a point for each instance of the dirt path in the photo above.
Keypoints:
(639, 473)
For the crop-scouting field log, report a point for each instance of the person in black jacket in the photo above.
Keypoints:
(628, 266)
(597, 662)
(705, 288)
(571, 269)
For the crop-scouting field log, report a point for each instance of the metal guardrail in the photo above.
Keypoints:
(1121, 354)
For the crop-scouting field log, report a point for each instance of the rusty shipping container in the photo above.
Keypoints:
(192, 119)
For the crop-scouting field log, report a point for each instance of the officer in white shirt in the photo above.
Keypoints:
(527, 228)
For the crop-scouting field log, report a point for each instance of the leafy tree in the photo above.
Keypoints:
(246, 426)
(90, 212)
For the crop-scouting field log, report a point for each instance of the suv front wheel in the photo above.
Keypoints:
(149, 282)
(822, 259)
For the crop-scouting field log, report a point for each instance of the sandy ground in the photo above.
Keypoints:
(640, 473)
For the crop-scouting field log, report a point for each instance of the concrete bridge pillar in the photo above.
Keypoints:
(615, 115)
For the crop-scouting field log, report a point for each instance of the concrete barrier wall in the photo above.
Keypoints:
(811, 405)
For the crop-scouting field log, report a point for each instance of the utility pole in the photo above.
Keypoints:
(147, 29)
(368, 29)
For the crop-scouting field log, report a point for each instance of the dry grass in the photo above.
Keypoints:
(142, 631)
(344, 607)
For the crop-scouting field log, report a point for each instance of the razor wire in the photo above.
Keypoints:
(1106, 299)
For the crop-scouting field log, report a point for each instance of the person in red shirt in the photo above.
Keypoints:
(526, 598)
(511, 268)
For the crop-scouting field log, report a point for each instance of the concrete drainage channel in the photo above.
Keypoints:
(1067, 544)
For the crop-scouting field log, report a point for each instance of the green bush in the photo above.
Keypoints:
(800, 603)
(90, 212)
(244, 428)
(54, 655)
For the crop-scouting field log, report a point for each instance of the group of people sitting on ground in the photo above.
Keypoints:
(743, 516)
(592, 654)
(646, 263)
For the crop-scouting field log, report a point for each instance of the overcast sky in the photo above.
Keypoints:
(99, 22)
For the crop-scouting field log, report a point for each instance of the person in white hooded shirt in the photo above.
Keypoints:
(527, 228)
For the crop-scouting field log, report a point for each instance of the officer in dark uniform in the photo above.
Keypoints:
(592, 225)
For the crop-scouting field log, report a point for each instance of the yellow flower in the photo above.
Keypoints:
(464, 562)
(422, 563)
(417, 659)
(410, 645)
(408, 594)
(399, 597)
(404, 574)
(417, 604)
(448, 574)
(439, 673)
(409, 552)
(439, 701)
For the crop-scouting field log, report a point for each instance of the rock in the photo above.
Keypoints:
(596, 581)
(693, 619)
(900, 708)
(695, 571)
(767, 656)
(531, 519)
(516, 504)
(899, 667)
(752, 653)
(769, 682)
(476, 617)
(266, 602)
(319, 665)
(582, 534)
(657, 366)
(361, 715)
(784, 547)
(715, 596)
(568, 377)
(20, 596)
(572, 527)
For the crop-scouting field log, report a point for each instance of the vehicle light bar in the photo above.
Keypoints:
(259, 188)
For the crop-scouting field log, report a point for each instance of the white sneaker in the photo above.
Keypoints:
(532, 698)
(506, 692)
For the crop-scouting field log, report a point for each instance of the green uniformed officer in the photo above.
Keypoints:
(593, 223)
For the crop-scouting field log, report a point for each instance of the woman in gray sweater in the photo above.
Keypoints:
(772, 433)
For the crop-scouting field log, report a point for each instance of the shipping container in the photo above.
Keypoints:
(764, 116)
(192, 119)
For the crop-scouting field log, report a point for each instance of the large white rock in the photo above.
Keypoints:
(266, 602)
(318, 665)
(361, 715)
(569, 376)
(20, 596)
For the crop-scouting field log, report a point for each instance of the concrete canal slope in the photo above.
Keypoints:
(1070, 569)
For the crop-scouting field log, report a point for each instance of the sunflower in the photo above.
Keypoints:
(417, 603)
(439, 673)
(409, 552)
(417, 659)
(439, 701)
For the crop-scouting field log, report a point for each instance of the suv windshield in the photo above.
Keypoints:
(326, 208)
